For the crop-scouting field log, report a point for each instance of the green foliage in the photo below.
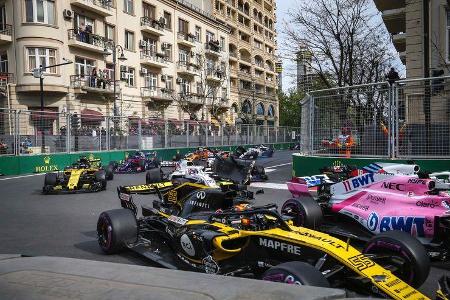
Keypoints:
(290, 110)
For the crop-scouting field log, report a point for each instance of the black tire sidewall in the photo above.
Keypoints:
(309, 213)
(407, 244)
(153, 176)
(123, 229)
(50, 179)
(302, 272)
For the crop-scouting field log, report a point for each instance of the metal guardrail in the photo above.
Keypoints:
(21, 132)
(88, 38)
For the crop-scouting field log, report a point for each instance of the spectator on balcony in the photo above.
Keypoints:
(101, 80)
(89, 34)
(93, 78)
(82, 33)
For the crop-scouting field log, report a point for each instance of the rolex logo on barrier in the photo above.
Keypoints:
(46, 167)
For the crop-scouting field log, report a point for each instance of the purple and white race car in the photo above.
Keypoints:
(375, 202)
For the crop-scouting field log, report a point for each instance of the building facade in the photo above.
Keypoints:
(252, 60)
(175, 54)
(305, 73)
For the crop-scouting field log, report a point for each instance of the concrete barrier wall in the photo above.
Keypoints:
(310, 165)
(27, 164)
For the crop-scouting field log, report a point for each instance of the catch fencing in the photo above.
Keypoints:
(406, 119)
(35, 132)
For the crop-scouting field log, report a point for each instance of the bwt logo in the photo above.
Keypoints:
(358, 182)
(402, 223)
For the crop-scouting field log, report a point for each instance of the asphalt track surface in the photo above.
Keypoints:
(64, 225)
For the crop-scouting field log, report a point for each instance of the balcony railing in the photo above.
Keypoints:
(212, 47)
(146, 21)
(88, 38)
(159, 58)
(92, 82)
(157, 93)
(6, 29)
(105, 4)
(187, 37)
(6, 78)
(187, 66)
(233, 54)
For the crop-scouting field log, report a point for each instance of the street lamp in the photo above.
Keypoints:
(114, 50)
(39, 73)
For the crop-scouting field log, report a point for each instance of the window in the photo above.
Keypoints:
(2, 17)
(128, 6)
(109, 32)
(168, 18)
(83, 22)
(185, 86)
(129, 40)
(448, 34)
(149, 11)
(109, 70)
(168, 51)
(41, 56)
(150, 46)
(271, 111)
(3, 63)
(260, 109)
(209, 36)
(151, 81)
(222, 42)
(127, 74)
(83, 66)
(40, 11)
(169, 83)
(183, 26)
(183, 55)
(198, 33)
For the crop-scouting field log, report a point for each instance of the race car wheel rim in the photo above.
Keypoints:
(293, 211)
(104, 234)
(283, 278)
(398, 259)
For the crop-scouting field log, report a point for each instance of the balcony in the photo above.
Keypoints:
(84, 84)
(213, 49)
(104, 8)
(5, 34)
(245, 59)
(214, 75)
(152, 26)
(399, 41)
(245, 74)
(157, 94)
(186, 39)
(389, 4)
(395, 20)
(259, 66)
(233, 73)
(87, 41)
(153, 59)
(187, 68)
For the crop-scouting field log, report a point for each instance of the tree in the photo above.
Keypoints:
(290, 108)
(211, 84)
(345, 38)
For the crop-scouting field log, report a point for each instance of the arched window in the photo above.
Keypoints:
(234, 108)
(246, 107)
(271, 111)
(260, 109)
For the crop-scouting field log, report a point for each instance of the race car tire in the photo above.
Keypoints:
(115, 228)
(398, 246)
(50, 179)
(142, 165)
(153, 176)
(305, 211)
(100, 176)
(114, 164)
(179, 181)
(296, 272)
(109, 172)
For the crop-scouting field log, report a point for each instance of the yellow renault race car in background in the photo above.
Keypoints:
(85, 175)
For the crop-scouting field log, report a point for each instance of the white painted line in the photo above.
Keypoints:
(23, 176)
(269, 170)
(279, 166)
(268, 185)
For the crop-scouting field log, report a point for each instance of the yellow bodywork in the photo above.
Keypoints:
(74, 178)
(349, 256)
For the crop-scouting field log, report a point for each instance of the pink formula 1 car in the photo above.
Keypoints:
(371, 203)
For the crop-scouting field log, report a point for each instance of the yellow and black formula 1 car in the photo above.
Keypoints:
(207, 232)
(85, 175)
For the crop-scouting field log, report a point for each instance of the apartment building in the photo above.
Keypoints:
(165, 50)
(305, 73)
(252, 60)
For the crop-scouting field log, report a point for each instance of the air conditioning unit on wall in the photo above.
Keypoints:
(67, 14)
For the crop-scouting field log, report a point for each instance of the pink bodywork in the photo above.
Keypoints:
(397, 203)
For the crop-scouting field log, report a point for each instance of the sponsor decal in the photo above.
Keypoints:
(314, 180)
(187, 245)
(410, 294)
(446, 204)
(361, 262)
(124, 197)
(199, 204)
(410, 194)
(403, 223)
(399, 290)
(177, 220)
(201, 195)
(360, 206)
(172, 196)
(393, 186)
(376, 199)
(417, 181)
(393, 282)
(358, 182)
(431, 204)
(325, 240)
(276, 245)
(46, 167)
